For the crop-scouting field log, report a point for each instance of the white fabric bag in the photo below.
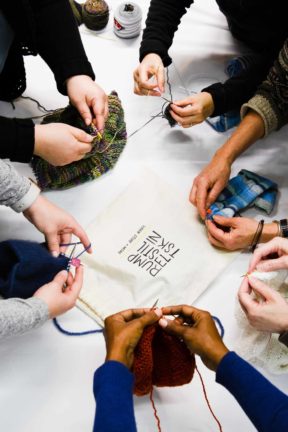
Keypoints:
(148, 244)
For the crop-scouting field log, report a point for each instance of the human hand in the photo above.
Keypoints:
(60, 300)
(209, 184)
(151, 65)
(240, 234)
(266, 312)
(192, 110)
(56, 225)
(198, 331)
(124, 330)
(260, 260)
(89, 99)
(60, 144)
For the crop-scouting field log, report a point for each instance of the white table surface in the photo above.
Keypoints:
(46, 377)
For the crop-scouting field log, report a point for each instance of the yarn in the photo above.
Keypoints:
(69, 333)
(172, 122)
(103, 156)
(95, 14)
(127, 20)
(77, 11)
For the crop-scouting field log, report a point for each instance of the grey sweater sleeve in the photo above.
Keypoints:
(18, 316)
(13, 186)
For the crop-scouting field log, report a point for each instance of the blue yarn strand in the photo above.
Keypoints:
(220, 325)
(69, 333)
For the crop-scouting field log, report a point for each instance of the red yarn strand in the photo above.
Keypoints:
(207, 401)
(155, 410)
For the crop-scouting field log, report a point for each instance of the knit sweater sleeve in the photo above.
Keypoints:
(18, 316)
(59, 42)
(271, 98)
(163, 19)
(264, 404)
(13, 186)
(113, 389)
(16, 139)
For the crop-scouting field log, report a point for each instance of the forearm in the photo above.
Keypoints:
(60, 44)
(18, 316)
(264, 404)
(248, 132)
(16, 139)
(163, 19)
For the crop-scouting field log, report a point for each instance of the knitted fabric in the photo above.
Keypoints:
(162, 360)
(104, 155)
(25, 267)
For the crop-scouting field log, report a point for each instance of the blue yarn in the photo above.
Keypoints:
(220, 325)
(69, 333)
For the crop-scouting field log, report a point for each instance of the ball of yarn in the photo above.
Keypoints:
(95, 14)
(127, 20)
(172, 122)
(161, 359)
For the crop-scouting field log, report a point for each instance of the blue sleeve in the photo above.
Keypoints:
(113, 391)
(264, 404)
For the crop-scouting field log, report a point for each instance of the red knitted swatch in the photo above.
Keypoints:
(162, 360)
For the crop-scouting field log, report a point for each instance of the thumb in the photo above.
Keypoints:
(260, 288)
(53, 244)
(81, 135)
(224, 221)
(61, 278)
(172, 327)
(85, 112)
(150, 317)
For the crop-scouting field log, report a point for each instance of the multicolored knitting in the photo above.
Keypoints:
(102, 158)
(162, 360)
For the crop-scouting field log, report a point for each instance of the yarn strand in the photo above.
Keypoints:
(70, 333)
(155, 410)
(207, 401)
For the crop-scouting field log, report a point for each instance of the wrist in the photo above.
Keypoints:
(208, 103)
(270, 230)
(216, 356)
(119, 356)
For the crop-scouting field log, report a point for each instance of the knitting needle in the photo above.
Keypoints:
(155, 304)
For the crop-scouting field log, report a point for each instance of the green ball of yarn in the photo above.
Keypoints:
(95, 14)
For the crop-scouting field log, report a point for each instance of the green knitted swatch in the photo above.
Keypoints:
(103, 156)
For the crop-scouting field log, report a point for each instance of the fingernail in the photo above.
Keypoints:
(163, 322)
(158, 312)
(87, 121)
(55, 254)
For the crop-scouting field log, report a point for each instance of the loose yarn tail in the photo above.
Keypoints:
(155, 410)
(207, 401)
(69, 333)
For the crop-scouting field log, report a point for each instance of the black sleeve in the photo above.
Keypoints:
(237, 90)
(59, 42)
(163, 19)
(16, 139)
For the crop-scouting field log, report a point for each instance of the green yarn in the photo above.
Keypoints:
(77, 11)
(103, 156)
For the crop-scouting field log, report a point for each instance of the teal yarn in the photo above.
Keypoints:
(103, 156)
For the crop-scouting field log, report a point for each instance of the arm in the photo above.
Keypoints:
(18, 316)
(16, 139)
(271, 100)
(264, 404)
(163, 19)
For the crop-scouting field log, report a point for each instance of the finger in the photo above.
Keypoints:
(201, 198)
(260, 288)
(81, 135)
(130, 314)
(215, 232)
(61, 278)
(187, 111)
(65, 238)
(84, 111)
(184, 102)
(98, 107)
(145, 80)
(273, 264)
(79, 232)
(185, 311)
(53, 243)
(150, 317)
(84, 148)
(271, 247)
(161, 78)
(215, 242)
(193, 193)
(245, 299)
(174, 327)
(76, 286)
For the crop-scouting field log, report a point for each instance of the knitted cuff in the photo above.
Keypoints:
(70, 69)
(154, 47)
(17, 139)
(218, 95)
(261, 106)
(27, 200)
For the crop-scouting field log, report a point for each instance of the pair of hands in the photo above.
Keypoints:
(271, 313)
(187, 112)
(61, 144)
(195, 327)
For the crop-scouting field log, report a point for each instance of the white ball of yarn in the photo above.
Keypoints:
(127, 20)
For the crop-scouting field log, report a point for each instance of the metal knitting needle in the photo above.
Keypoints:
(155, 304)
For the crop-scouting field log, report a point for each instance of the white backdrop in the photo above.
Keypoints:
(46, 377)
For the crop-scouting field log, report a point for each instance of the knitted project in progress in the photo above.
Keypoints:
(162, 360)
(103, 156)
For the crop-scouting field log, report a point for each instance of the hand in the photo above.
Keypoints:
(209, 184)
(192, 110)
(270, 312)
(60, 300)
(56, 225)
(124, 330)
(89, 99)
(278, 246)
(151, 65)
(240, 235)
(60, 144)
(197, 329)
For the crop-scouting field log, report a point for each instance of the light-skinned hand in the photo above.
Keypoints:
(56, 225)
(209, 184)
(60, 144)
(197, 329)
(89, 99)
(192, 110)
(58, 298)
(260, 260)
(124, 330)
(151, 66)
(268, 311)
